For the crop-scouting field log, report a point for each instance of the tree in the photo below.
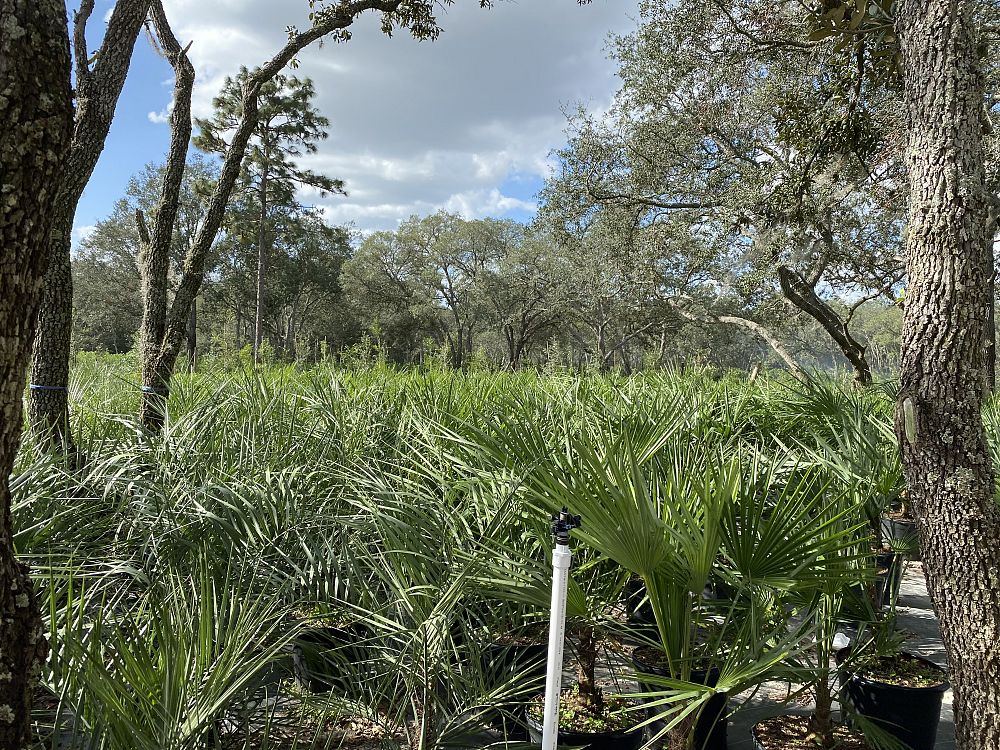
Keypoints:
(730, 117)
(107, 302)
(306, 291)
(167, 326)
(528, 291)
(946, 457)
(37, 113)
(99, 78)
(287, 127)
(303, 294)
(386, 285)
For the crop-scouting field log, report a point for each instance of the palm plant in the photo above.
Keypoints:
(162, 662)
(676, 509)
(522, 574)
(412, 527)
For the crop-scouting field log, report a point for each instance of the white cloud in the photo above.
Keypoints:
(417, 126)
(159, 118)
(81, 233)
(477, 204)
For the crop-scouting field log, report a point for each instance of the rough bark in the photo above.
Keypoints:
(99, 81)
(991, 332)
(192, 338)
(801, 293)
(938, 418)
(36, 112)
(154, 258)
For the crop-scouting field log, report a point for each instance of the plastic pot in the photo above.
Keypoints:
(640, 610)
(710, 731)
(911, 714)
(796, 735)
(630, 740)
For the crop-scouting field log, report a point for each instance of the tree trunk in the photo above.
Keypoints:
(99, 81)
(197, 254)
(192, 338)
(938, 417)
(290, 333)
(991, 331)
(154, 259)
(48, 399)
(258, 330)
(36, 112)
(776, 346)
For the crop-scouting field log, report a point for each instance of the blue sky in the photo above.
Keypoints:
(465, 123)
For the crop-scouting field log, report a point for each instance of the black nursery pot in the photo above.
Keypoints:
(501, 662)
(630, 740)
(910, 714)
(325, 659)
(710, 731)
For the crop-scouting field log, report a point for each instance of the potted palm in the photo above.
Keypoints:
(677, 508)
(898, 524)
(415, 536)
(330, 648)
(587, 715)
(817, 730)
(838, 533)
(896, 691)
(859, 448)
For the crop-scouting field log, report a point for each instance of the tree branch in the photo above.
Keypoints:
(156, 259)
(80, 18)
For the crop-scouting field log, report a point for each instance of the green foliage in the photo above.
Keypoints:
(177, 569)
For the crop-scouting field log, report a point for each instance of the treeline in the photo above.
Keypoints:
(497, 292)
(753, 220)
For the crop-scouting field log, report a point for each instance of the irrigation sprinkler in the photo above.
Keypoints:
(562, 524)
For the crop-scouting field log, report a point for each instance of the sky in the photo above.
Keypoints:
(465, 123)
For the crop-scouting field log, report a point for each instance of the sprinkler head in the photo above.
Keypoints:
(562, 523)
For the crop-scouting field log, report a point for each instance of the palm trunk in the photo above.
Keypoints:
(938, 418)
(586, 660)
(36, 112)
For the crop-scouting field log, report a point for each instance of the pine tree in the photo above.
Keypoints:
(288, 127)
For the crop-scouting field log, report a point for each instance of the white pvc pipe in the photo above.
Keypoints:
(561, 558)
